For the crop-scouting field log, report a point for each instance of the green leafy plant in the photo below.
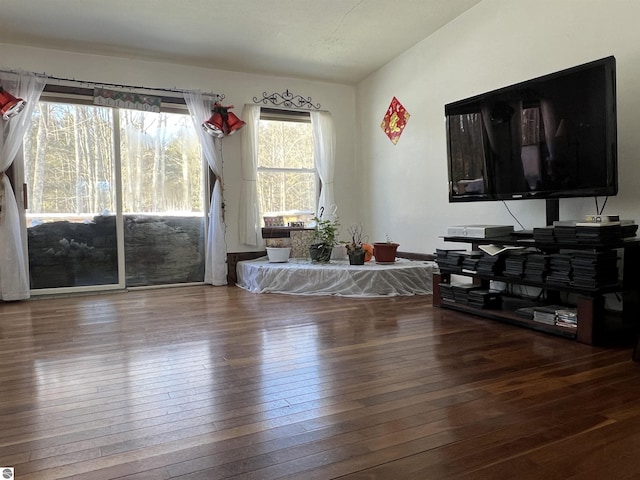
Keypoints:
(326, 232)
(324, 239)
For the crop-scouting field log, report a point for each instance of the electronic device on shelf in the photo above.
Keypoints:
(480, 231)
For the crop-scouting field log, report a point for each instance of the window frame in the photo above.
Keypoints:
(294, 116)
(77, 95)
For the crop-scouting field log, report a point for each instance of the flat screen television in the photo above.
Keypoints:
(550, 137)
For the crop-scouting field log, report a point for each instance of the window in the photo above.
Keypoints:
(287, 177)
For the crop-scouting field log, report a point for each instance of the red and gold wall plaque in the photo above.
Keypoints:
(394, 120)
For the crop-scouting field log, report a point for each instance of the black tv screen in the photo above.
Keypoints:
(549, 137)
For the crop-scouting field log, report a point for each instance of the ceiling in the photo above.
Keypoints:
(341, 41)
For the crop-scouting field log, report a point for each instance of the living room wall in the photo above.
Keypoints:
(496, 43)
(239, 88)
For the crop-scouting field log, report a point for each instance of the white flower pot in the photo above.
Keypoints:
(339, 252)
(278, 254)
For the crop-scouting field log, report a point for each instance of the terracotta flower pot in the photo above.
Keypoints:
(385, 252)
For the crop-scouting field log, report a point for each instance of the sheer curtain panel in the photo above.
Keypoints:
(14, 271)
(324, 151)
(249, 222)
(215, 271)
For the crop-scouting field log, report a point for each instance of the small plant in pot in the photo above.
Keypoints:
(355, 247)
(324, 239)
(385, 252)
(278, 250)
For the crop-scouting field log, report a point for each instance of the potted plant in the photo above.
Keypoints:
(324, 239)
(385, 252)
(355, 247)
(278, 250)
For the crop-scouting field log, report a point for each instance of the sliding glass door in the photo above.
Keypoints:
(70, 177)
(162, 199)
(115, 198)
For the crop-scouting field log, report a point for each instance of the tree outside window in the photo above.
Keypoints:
(287, 177)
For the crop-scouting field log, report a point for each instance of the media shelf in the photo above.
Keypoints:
(506, 314)
(613, 288)
(593, 321)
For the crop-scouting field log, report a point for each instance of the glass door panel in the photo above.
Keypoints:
(162, 198)
(69, 173)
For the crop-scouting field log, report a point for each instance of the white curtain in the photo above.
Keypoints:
(14, 271)
(324, 151)
(249, 222)
(215, 271)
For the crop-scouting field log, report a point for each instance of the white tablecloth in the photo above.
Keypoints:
(301, 277)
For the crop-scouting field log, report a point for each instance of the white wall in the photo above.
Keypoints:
(401, 190)
(237, 87)
(497, 43)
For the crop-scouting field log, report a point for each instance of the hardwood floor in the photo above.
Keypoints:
(217, 383)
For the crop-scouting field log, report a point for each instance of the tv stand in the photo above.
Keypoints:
(593, 321)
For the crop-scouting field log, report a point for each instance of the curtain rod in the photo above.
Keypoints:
(215, 96)
(288, 101)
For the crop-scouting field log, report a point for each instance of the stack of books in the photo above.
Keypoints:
(594, 269)
(446, 292)
(537, 267)
(461, 292)
(600, 229)
(482, 298)
(567, 317)
(526, 312)
(544, 234)
(559, 269)
(605, 231)
(457, 293)
(598, 232)
(491, 264)
(551, 315)
(470, 261)
(565, 231)
(546, 314)
(514, 264)
(629, 228)
(449, 259)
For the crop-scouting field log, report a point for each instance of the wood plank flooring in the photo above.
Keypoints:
(218, 383)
